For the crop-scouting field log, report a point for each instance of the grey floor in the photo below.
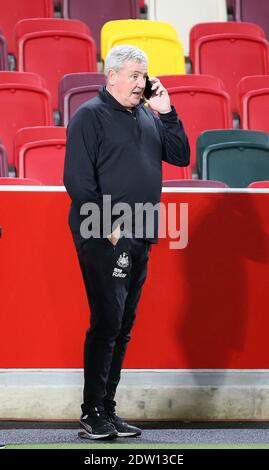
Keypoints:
(153, 433)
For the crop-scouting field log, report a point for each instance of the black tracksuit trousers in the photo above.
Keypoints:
(113, 278)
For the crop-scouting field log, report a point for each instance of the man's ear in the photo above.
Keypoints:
(112, 77)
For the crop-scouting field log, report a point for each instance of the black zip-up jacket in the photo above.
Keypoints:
(112, 151)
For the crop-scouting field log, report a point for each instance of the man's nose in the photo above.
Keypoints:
(141, 82)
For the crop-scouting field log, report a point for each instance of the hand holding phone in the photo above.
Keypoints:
(158, 97)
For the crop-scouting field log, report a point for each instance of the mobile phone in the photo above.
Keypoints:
(148, 92)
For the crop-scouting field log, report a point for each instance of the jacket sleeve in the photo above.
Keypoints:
(81, 155)
(176, 149)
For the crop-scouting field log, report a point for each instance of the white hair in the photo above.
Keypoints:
(120, 54)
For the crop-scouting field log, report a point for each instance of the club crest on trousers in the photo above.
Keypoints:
(123, 260)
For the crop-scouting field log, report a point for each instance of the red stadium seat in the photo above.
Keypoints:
(201, 103)
(32, 25)
(40, 154)
(171, 81)
(73, 50)
(14, 11)
(229, 55)
(259, 184)
(20, 181)
(23, 102)
(253, 102)
(32, 79)
(230, 27)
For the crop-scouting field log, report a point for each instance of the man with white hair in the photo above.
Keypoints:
(115, 148)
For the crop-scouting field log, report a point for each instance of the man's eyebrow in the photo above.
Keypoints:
(140, 73)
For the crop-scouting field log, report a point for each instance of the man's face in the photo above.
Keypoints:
(128, 84)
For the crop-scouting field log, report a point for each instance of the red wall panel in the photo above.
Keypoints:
(205, 306)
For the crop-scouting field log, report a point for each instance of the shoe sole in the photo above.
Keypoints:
(129, 434)
(86, 435)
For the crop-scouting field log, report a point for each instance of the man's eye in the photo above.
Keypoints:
(135, 77)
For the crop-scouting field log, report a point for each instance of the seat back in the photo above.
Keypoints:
(255, 12)
(19, 78)
(32, 25)
(15, 10)
(236, 157)
(75, 98)
(73, 50)
(23, 102)
(231, 57)
(75, 89)
(114, 28)
(220, 136)
(183, 15)
(253, 102)
(194, 183)
(192, 80)
(158, 40)
(97, 13)
(74, 80)
(236, 163)
(40, 154)
(229, 27)
(210, 108)
(3, 161)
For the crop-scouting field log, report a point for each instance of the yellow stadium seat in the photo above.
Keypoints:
(157, 39)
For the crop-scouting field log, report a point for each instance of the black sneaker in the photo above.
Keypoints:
(95, 426)
(123, 429)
